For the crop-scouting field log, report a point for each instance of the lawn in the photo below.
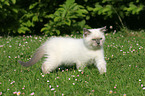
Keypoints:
(124, 54)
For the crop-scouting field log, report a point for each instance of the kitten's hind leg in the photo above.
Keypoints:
(49, 65)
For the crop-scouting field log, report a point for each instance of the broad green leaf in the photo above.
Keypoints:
(58, 32)
(73, 7)
(43, 29)
(23, 29)
(29, 15)
(33, 5)
(49, 16)
(90, 8)
(56, 19)
(29, 23)
(139, 8)
(104, 1)
(64, 14)
(1, 6)
(2, 0)
(68, 22)
(137, 1)
(98, 8)
(87, 17)
(15, 10)
(6, 3)
(69, 3)
(35, 18)
(13, 1)
(82, 23)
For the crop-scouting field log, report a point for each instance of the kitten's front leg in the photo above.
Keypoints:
(80, 66)
(101, 64)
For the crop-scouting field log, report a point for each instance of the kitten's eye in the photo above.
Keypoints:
(94, 39)
(101, 38)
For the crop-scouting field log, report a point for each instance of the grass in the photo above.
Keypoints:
(125, 56)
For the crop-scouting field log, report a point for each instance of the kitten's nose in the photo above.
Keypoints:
(98, 42)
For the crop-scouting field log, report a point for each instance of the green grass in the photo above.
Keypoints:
(125, 56)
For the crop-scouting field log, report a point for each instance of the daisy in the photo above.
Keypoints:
(110, 92)
(18, 93)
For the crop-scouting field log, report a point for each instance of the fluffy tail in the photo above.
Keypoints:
(37, 56)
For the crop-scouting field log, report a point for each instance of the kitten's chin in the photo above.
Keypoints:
(97, 47)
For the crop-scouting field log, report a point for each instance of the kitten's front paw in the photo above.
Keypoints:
(102, 70)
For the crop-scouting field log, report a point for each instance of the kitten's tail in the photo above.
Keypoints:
(36, 57)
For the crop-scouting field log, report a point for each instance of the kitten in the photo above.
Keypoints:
(69, 51)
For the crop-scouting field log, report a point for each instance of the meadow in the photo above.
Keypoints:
(124, 54)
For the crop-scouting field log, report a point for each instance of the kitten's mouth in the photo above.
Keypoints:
(97, 45)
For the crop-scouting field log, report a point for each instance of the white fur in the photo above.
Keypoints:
(69, 51)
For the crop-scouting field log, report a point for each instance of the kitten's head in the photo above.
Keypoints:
(94, 38)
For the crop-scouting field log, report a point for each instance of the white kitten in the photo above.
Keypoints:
(69, 51)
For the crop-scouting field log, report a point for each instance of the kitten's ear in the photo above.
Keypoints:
(103, 29)
(86, 32)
